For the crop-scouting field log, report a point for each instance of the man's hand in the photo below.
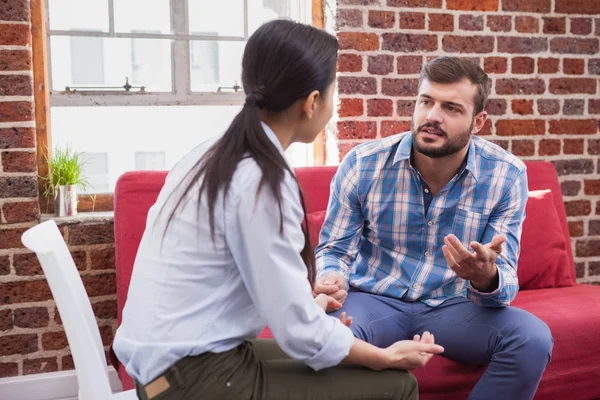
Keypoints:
(478, 267)
(333, 285)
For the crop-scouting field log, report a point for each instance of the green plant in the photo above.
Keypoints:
(65, 168)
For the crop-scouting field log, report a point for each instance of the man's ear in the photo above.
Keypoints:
(479, 122)
(310, 103)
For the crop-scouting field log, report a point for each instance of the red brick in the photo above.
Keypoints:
(554, 25)
(594, 146)
(549, 147)
(27, 264)
(468, 44)
(574, 126)
(360, 41)
(486, 129)
(349, 63)
(19, 161)
(570, 188)
(14, 34)
(103, 258)
(382, 19)
(441, 22)
(389, 128)
(18, 344)
(594, 230)
(399, 87)
(107, 334)
(587, 248)
(105, 309)
(82, 234)
(548, 65)
(523, 147)
(409, 64)
(522, 107)
(408, 43)
(501, 143)
(6, 320)
(520, 86)
(54, 340)
(357, 85)
(573, 66)
(495, 65)
(13, 111)
(67, 363)
(15, 60)
(578, 207)
(100, 285)
(577, 7)
(522, 45)
(573, 146)
(9, 369)
(40, 365)
(548, 107)
(349, 17)
(573, 167)
(357, 130)
(594, 268)
(380, 108)
(412, 20)
(598, 208)
(415, 3)
(496, 107)
(594, 64)
(581, 26)
(594, 106)
(591, 186)
(4, 266)
(345, 147)
(499, 23)
(380, 65)
(15, 85)
(405, 108)
(520, 127)
(24, 292)
(13, 138)
(23, 211)
(534, 6)
(472, 5)
(31, 317)
(14, 10)
(11, 238)
(576, 228)
(564, 45)
(573, 85)
(350, 108)
(573, 107)
(523, 65)
(470, 22)
(80, 259)
(527, 24)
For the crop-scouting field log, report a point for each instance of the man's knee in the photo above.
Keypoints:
(531, 343)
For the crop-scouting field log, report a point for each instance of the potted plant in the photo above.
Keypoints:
(65, 176)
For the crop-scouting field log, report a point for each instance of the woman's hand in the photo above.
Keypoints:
(328, 302)
(411, 354)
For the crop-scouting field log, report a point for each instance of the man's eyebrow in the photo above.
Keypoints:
(445, 102)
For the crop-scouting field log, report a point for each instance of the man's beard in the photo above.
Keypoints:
(450, 145)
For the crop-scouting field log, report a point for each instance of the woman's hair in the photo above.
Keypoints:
(284, 61)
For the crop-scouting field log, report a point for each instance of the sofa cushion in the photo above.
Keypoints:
(315, 221)
(544, 261)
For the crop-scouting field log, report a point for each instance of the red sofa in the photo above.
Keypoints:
(572, 311)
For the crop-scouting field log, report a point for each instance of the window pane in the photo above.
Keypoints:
(216, 18)
(214, 64)
(96, 171)
(99, 62)
(150, 160)
(142, 16)
(261, 11)
(88, 15)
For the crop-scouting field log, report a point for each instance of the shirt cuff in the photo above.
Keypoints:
(488, 294)
(336, 348)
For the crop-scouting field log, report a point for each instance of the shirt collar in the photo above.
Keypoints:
(405, 147)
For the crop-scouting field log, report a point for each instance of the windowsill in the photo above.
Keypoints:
(96, 216)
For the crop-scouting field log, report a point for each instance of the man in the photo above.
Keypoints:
(422, 233)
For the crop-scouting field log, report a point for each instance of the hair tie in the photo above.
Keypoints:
(256, 99)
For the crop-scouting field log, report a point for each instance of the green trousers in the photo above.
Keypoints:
(260, 370)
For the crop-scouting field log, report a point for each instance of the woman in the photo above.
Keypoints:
(226, 250)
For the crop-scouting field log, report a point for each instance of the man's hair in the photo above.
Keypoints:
(453, 70)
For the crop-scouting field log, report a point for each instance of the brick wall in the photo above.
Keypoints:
(32, 339)
(542, 56)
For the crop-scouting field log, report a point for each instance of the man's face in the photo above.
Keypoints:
(443, 120)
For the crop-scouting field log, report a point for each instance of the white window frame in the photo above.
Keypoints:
(181, 93)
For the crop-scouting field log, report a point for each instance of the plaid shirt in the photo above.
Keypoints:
(380, 235)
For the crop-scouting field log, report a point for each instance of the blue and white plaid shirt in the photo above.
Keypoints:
(380, 235)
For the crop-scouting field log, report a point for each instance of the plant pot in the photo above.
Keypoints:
(65, 201)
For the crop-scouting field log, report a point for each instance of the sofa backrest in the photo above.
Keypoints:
(137, 191)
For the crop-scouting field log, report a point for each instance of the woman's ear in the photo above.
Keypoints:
(310, 103)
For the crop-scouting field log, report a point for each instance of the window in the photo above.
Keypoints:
(182, 60)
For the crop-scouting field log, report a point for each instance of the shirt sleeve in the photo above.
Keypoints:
(276, 278)
(506, 219)
(343, 225)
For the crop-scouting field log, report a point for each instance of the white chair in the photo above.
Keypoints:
(46, 241)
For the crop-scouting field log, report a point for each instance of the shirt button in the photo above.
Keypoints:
(430, 223)
(426, 254)
(426, 190)
(415, 286)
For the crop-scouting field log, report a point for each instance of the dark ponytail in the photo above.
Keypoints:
(283, 62)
